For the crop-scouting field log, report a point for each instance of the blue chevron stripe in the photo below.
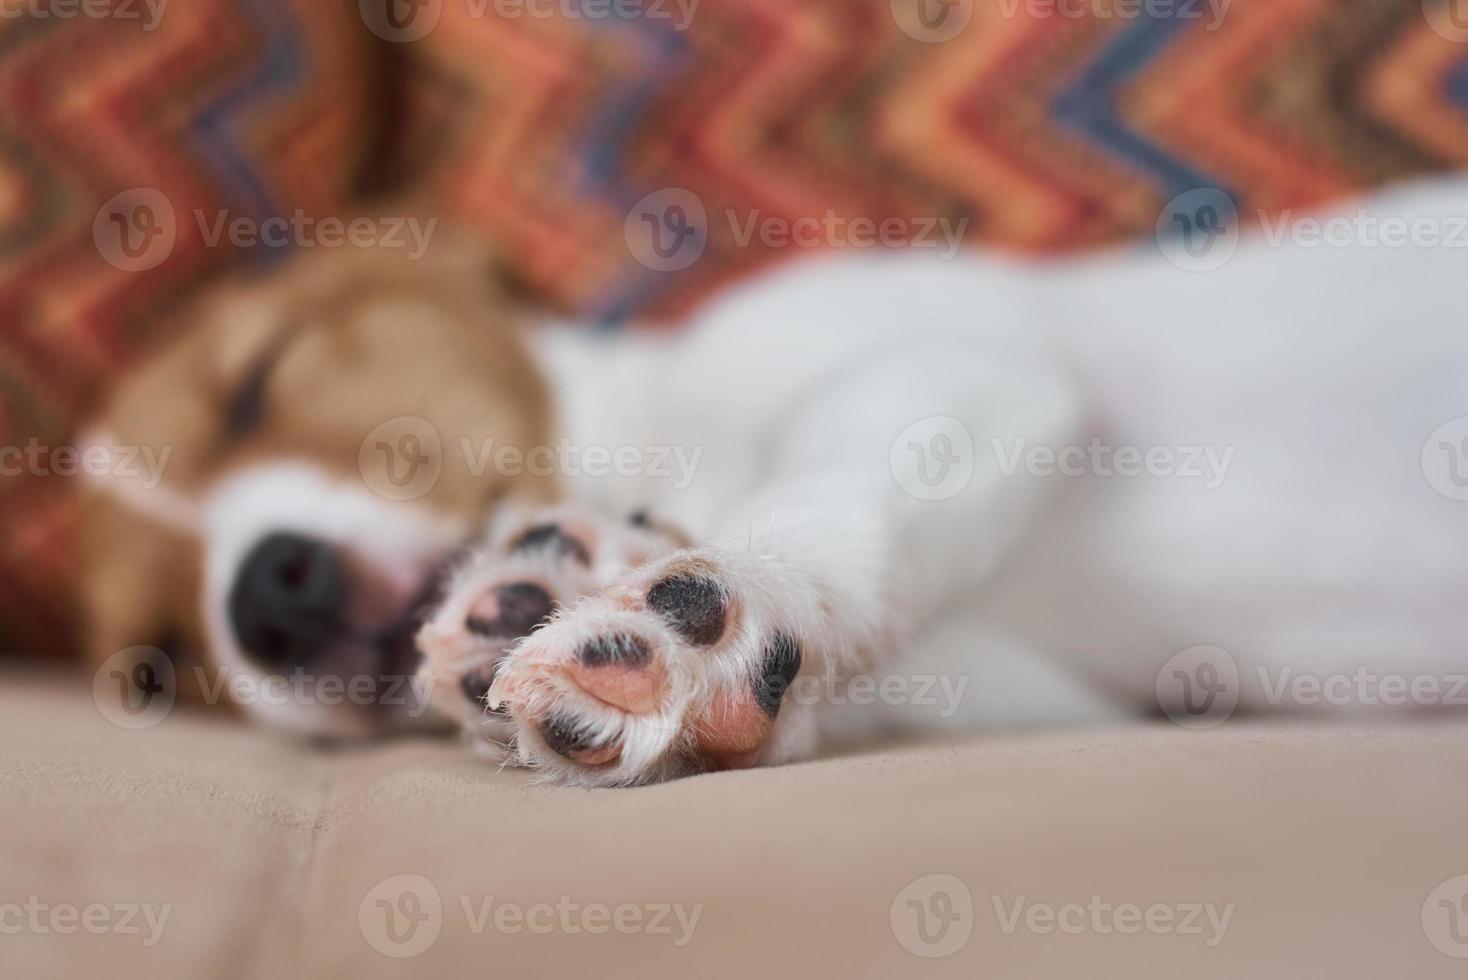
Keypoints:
(1457, 84)
(1088, 105)
(602, 150)
(215, 136)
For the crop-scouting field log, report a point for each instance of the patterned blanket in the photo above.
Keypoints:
(629, 156)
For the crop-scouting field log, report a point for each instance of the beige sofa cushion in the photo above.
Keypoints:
(271, 856)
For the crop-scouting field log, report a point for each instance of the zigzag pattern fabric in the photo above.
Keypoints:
(630, 156)
(1034, 125)
(184, 108)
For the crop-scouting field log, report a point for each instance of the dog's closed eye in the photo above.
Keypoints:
(245, 408)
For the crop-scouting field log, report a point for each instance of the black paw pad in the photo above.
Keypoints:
(551, 536)
(476, 683)
(522, 607)
(693, 605)
(618, 648)
(777, 670)
(566, 738)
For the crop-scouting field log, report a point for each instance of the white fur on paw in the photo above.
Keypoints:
(679, 667)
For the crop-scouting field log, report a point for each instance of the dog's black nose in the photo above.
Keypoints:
(287, 599)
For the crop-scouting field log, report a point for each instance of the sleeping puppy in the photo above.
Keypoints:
(652, 556)
(667, 533)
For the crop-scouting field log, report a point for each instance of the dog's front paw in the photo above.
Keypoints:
(531, 566)
(678, 667)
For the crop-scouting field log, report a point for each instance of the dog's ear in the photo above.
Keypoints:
(139, 589)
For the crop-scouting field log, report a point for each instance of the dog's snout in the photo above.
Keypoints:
(286, 602)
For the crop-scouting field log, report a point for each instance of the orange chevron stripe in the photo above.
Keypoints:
(1197, 97)
(1405, 91)
(800, 48)
(917, 126)
(494, 175)
(88, 291)
(306, 135)
(1102, 194)
(68, 284)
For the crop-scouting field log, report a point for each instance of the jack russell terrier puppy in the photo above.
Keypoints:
(620, 556)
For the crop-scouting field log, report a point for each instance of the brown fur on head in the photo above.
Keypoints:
(280, 409)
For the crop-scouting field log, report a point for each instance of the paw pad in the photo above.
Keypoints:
(778, 667)
(616, 648)
(695, 606)
(552, 537)
(476, 683)
(575, 742)
(510, 611)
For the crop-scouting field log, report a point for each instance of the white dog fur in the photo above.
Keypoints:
(1309, 538)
